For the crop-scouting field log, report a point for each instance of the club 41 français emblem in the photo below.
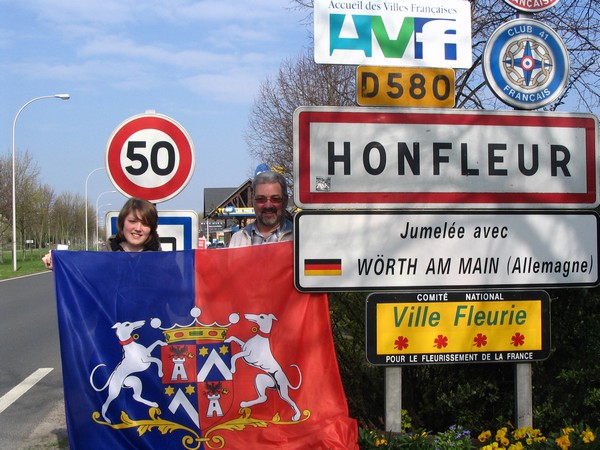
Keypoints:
(526, 64)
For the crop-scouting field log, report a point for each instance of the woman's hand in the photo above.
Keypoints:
(47, 260)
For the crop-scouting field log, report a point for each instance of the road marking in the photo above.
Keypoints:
(13, 395)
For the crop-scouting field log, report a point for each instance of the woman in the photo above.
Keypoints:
(136, 230)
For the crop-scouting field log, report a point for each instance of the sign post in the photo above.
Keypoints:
(437, 327)
(150, 156)
(405, 86)
(390, 250)
(351, 158)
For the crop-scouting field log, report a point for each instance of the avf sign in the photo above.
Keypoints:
(436, 327)
(436, 33)
(381, 158)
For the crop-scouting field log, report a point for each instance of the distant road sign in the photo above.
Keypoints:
(526, 64)
(436, 327)
(150, 156)
(405, 86)
(177, 230)
(432, 158)
(391, 250)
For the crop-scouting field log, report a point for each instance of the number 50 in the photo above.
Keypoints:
(133, 155)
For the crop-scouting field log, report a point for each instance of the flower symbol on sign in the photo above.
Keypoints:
(480, 340)
(401, 343)
(518, 339)
(440, 341)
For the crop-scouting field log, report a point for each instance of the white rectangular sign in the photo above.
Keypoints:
(385, 250)
(388, 158)
(409, 33)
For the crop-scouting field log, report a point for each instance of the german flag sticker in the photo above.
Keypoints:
(322, 267)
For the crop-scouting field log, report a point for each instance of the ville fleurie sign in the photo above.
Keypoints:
(439, 327)
(392, 250)
(386, 158)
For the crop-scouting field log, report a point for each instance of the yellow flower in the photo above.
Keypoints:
(587, 436)
(505, 442)
(379, 442)
(501, 433)
(563, 442)
(484, 436)
(521, 433)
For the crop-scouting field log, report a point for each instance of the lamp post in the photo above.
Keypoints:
(98, 224)
(86, 203)
(97, 200)
(14, 203)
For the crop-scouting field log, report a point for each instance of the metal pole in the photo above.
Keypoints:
(86, 204)
(97, 199)
(393, 399)
(14, 202)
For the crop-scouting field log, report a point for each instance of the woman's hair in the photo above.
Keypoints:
(146, 211)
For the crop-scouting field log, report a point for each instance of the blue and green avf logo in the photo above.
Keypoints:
(429, 36)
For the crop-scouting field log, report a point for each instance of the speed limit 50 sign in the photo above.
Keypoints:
(150, 156)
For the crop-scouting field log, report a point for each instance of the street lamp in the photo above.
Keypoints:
(86, 203)
(98, 223)
(14, 204)
(97, 200)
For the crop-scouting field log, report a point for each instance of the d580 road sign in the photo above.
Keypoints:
(405, 86)
(150, 156)
(432, 158)
(387, 250)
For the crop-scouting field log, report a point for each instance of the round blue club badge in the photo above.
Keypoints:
(526, 64)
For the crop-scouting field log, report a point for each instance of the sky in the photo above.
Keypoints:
(198, 62)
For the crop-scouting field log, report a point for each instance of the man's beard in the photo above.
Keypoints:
(271, 220)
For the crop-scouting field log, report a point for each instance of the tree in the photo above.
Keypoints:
(298, 83)
(42, 202)
(26, 185)
(67, 222)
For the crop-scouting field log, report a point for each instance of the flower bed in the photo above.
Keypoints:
(506, 438)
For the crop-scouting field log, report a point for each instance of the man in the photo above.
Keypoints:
(270, 200)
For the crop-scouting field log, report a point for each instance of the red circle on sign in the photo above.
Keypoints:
(531, 5)
(184, 148)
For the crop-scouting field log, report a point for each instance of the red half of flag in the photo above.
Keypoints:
(322, 267)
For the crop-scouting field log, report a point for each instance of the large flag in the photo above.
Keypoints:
(204, 349)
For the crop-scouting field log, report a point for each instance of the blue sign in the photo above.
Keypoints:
(526, 64)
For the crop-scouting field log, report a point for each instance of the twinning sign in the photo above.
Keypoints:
(387, 250)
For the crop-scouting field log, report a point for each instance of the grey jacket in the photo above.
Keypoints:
(243, 237)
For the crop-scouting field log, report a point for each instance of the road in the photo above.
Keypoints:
(31, 391)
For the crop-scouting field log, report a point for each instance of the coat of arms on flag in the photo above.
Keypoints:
(204, 349)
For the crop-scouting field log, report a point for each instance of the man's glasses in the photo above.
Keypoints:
(262, 199)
